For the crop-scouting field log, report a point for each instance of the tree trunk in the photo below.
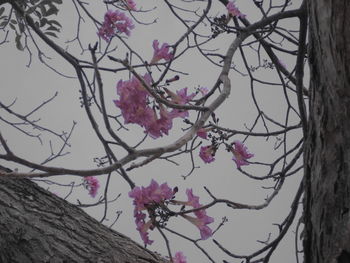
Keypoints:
(327, 149)
(36, 226)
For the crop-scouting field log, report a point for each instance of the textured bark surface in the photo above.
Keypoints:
(327, 156)
(36, 226)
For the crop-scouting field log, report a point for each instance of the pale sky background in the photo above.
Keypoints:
(31, 86)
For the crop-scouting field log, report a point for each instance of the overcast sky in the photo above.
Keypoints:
(30, 86)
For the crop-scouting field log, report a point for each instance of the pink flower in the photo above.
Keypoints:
(158, 193)
(181, 98)
(240, 154)
(161, 53)
(203, 90)
(143, 228)
(137, 195)
(91, 183)
(179, 258)
(157, 127)
(207, 153)
(201, 220)
(192, 199)
(130, 5)
(201, 223)
(202, 132)
(115, 22)
(233, 10)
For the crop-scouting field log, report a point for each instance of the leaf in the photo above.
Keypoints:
(30, 10)
(3, 23)
(13, 21)
(43, 10)
(18, 42)
(46, 2)
(52, 28)
(2, 9)
(12, 26)
(51, 34)
(43, 22)
(50, 22)
(38, 14)
(52, 11)
(21, 27)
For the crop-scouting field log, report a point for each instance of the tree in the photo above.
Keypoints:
(270, 53)
(327, 181)
(37, 226)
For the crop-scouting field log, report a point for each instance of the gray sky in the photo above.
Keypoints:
(31, 86)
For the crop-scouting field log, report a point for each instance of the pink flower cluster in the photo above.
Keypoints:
(145, 197)
(91, 183)
(179, 258)
(115, 22)
(239, 150)
(155, 198)
(160, 53)
(201, 220)
(233, 10)
(134, 104)
(240, 154)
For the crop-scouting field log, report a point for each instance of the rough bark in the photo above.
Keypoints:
(37, 226)
(327, 156)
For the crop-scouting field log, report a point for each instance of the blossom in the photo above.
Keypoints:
(192, 199)
(181, 98)
(134, 106)
(130, 5)
(154, 193)
(133, 101)
(240, 154)
(157, 193)
(115, 22)
(233, 10)
(137, 195)
(146, 196)
(160, 53)
(202, 132)
(201, 223)
(203, 90)
(202, 219)
(143, 228)
(160, 126)
(179, 258)
(207, 153)
(91, 183)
